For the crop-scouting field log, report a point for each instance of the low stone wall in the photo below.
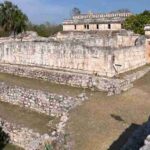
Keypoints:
(40, 101)
(44, 102)
(24, 137)
(68, 78)
(110, 85)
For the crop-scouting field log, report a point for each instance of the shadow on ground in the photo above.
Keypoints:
(4, 139)
(117, 118)
(118, 144)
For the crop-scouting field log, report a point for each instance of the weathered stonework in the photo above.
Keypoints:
(68, 78)
(73, 57)
(77, 60)
(40, 101)
(24, 137)
(43, 102)
(147, 34)
(91, 21)
(87, 62)
(112, 86)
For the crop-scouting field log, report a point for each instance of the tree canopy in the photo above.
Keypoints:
(75, 11)
(125, 10)
(12, 19)
(137, 22)
(45, 29)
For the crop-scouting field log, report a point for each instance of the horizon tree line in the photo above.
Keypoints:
(13, 21)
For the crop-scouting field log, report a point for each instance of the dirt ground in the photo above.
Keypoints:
(100, 123)
(105, 123)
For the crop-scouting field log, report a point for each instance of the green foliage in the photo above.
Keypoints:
(12, 19)
(75, 11)
(45, 30)
(121, 11)
(137, 22)
(48, 147)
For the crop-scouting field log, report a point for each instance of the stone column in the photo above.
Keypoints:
(111, 71)
(147, 34)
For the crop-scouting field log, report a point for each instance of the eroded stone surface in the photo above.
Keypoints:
(44, 102)
(24, 137)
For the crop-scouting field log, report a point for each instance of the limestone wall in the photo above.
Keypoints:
(68, 27)
(148, 50)
(73, 56)
(70, 56)
(147, 32)
(129, 58)
(116, 26)
(92, 27)
(112, 39)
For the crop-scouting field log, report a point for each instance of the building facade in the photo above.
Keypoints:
(96, 22)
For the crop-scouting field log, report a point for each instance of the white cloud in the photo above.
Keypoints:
(39, 12)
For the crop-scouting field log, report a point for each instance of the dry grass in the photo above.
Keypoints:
(97, 123)
(24, 117)
(12, 147)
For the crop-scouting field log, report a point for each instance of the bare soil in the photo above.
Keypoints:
(105, 123)
(100, 123)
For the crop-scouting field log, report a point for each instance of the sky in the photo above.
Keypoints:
(55, 11)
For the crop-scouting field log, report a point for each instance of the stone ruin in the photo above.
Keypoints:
(43, 102)
(84, 59)
(88, 60)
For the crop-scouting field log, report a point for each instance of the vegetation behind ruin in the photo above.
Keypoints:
(45, 30)
(137, 22)
(13, 21)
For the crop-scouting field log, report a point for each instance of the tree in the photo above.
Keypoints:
(137, 22)
(45, 29)
(121, 11)
(76, 11)
(12, 19)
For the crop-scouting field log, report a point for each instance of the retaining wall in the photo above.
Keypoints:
(44, 102)
(23, 137)
(67, 78)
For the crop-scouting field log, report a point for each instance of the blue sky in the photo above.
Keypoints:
(55, 11)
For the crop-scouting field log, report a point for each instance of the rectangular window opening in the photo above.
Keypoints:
(88, 26)
(75, 27)
(121, 26)
(109, 26)
(97, 26)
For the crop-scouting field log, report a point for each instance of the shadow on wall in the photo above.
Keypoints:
(119, 143)
(4, 139)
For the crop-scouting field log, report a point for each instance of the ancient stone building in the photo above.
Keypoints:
(91, 21)
(104, 54)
